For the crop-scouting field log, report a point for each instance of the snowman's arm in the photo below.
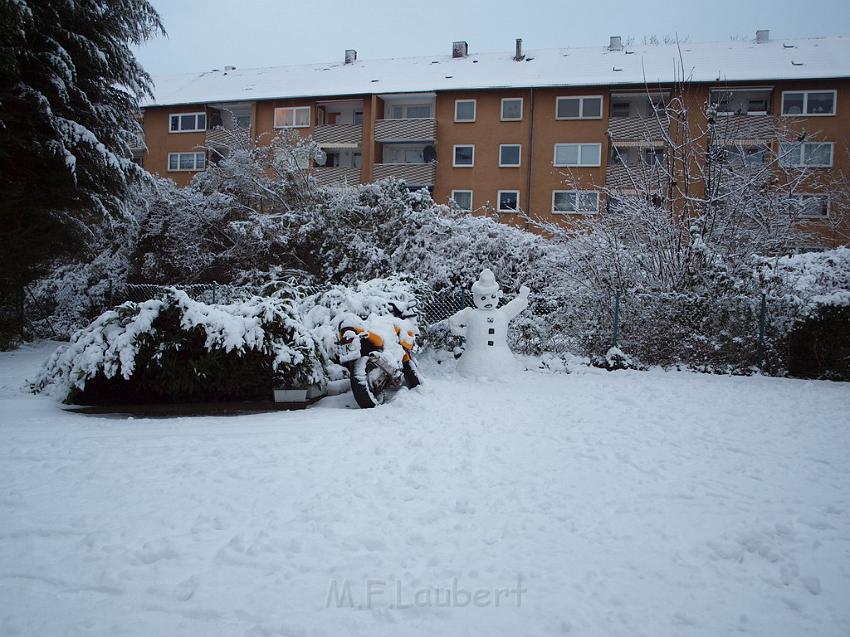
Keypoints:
(512, 308)
(458, 322)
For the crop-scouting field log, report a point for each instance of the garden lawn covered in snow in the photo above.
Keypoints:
(622, 503)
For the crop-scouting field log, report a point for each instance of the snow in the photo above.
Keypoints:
(621, 503)
(728, 61)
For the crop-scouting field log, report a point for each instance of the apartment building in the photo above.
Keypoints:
(539, 131)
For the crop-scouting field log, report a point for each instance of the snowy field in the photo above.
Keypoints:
(626, 503)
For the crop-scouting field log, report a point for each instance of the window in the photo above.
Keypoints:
(652, 156)
(509, 155)
(464, 155)
(808, 103)
(187, 123)
(806, 154)
(464, 110)
(589, 107)
(462, 199)
(620, 109)
(578, 154)
(409, 111)
(808, 205)
(741, 101)
(292, 117)
(404, 154)
(751, 156)
(509, 201)
(186, 161)
(511, 109)
(575, 201)
(757, 106)
(815, 206)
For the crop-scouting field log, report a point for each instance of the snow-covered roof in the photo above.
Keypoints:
(729, 61)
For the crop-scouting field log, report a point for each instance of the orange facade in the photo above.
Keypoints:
(535, 131)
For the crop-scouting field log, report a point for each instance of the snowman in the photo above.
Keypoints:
(485, 328)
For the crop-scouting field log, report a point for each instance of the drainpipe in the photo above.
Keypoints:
(530, 157)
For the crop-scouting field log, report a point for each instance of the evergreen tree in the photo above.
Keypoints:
(69, 93)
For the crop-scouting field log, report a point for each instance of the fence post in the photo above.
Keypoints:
(762, 318)
(615, 340)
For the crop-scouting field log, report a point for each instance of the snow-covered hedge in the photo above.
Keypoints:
(177, 349)
(691, 300)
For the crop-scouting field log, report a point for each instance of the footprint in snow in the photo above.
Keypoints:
(185, 589)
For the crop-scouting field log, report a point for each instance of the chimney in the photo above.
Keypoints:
(616, 43)
(350, 56)
(518, 55)
(762, 36)
(460, 49)
(229, 68)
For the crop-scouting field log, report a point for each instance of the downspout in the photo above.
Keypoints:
(530, 158)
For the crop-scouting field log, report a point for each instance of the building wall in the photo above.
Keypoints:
(537, 133)
(160, 142)
(486, 133)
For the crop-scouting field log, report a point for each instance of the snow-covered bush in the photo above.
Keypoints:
(615, 359)
(814, 290)
(177, 349)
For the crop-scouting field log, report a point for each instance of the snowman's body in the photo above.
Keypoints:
(485, 328)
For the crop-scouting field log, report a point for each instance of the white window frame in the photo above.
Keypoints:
(195, 169)
(581, 99)
(502, 109)
(474, 111)
(187, 130)
(499, 202)
(454, 156)
(579, 165)
(783, 160)
(309, 110)
(578, 193)
(519, 160)
(457, 204)
(806, 104)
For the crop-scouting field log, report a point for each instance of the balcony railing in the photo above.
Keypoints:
(405, 130)
(230, 137)
(640, 176)
(733, 128)
(336, 175)
(413, 174)
(328, 135)
(636, 128)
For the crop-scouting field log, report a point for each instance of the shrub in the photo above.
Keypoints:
(175, 349)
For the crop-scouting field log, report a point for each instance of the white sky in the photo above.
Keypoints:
(206, 34)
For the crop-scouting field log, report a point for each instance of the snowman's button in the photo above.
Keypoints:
(491, 331)
(490, 343)
(489, 319)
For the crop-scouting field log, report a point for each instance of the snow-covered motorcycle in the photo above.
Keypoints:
(378, 353)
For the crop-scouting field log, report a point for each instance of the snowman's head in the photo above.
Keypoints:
(485, 291)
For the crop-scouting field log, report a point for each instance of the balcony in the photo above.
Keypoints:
(638, 177)
(405, 130)
(229, 137)
(636, 128)
(336, 175)
(413, 174)
(338, 135)
(739, 128)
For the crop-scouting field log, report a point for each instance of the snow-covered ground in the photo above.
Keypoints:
(625, 503)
